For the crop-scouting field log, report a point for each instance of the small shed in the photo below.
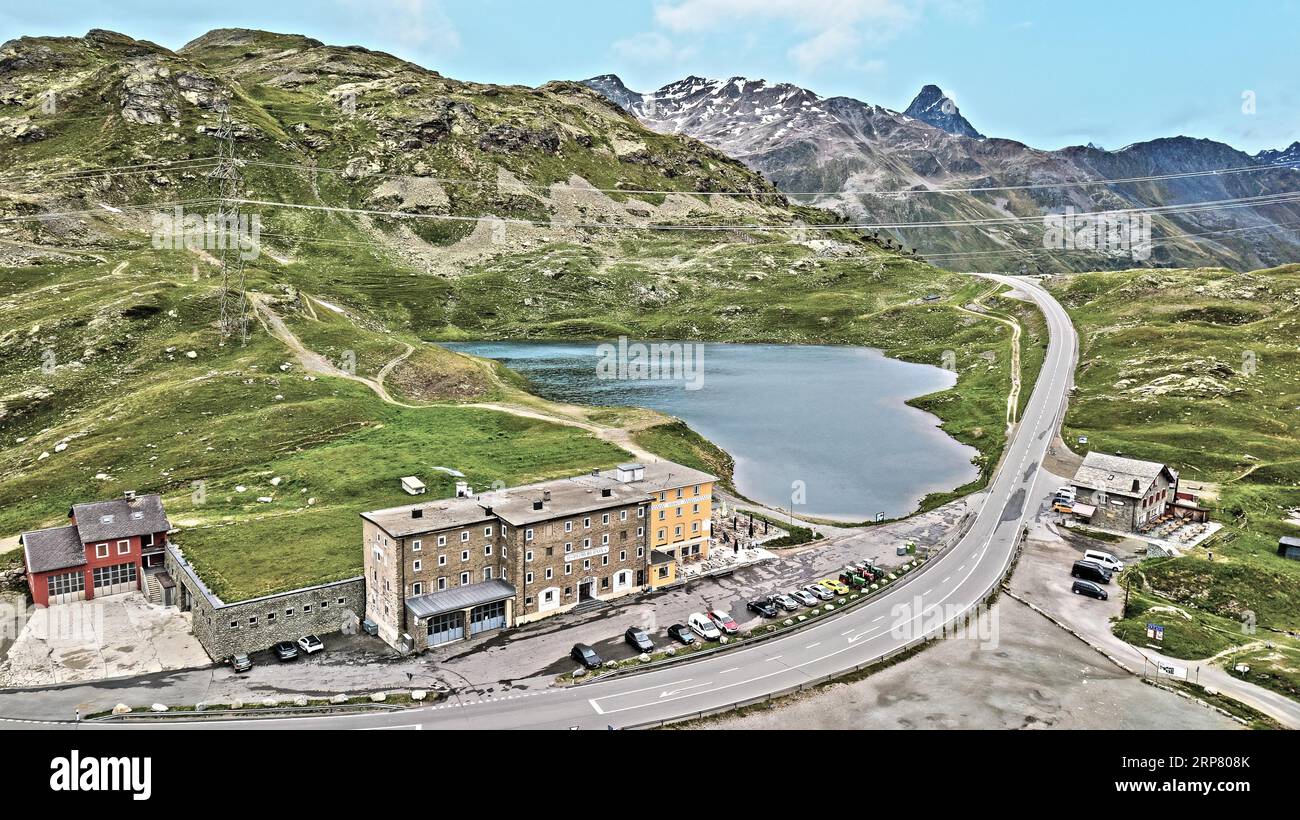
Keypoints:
(413, 485)
(1289, 547)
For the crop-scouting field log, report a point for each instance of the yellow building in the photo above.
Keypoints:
(681, 514)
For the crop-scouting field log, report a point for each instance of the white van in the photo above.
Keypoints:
(1107, 560)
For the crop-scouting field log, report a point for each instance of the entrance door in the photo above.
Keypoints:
(487, 617)
(115, 580)
(70, 586)
(586, 590)
(447, 627)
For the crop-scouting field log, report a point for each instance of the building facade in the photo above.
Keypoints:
(104, 550)
(1123, 493)
(454, 568)
(680, 528)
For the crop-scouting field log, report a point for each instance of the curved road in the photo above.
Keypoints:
(949, 585)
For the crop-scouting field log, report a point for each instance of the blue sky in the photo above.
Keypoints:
(1046, 73)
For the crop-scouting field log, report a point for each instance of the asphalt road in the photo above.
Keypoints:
(949, 586)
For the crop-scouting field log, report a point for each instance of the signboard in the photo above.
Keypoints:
(1156, 632)
(1172, 671)
(578, 556)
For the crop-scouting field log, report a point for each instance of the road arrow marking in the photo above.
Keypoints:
(670, 692)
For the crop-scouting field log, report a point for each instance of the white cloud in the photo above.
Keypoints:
(649, 47)
(415, 24)
(830, 31)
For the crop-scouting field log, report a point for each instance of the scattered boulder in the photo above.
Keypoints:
(337, 699)
(121, 709)
(158, 707)
(418, 695)
(378, 697)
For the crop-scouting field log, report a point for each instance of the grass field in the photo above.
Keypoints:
(1200, 369)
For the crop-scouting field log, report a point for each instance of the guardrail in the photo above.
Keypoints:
(993, 588)
(263, 712)
(950, 539)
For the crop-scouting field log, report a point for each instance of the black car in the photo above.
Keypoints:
(1090, 589)
(285, 651)
(637, 638)
(682, 633)
(586, 656)
(763, 606)
(1090, 571)
(240, 663)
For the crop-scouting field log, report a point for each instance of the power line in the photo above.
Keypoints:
(849, 192)
(102, 209)
(140, 167)
(1211, 205)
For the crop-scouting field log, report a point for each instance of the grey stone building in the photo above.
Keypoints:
(1121, 493)
(450, 569)
(225, 629)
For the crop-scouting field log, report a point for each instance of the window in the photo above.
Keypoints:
(663, 534)
(487, 550)
(604, 519)
(640, 512)
(487, 573)
(288, 613)
(586, 543)
(442, 582)
(679, 492)
(586, 522)
(622, 515)
(568, 526)
(568, 546)
(548, 596)
(149, 542)
(604, 540)
(342, 601)
(661, 515)
(252, 621)
(464, 536)
(604, 560)
(550, 551)
(442, 540)
(66, 584)
(415, 545)
(568, 569)
(270, 617)
(234, 624)
(487, 531)
(604, 583)
(640, 531)
(679, 512)
(697, 489)
(695, 508)
(306, 609)
(586, 563)
(622, 555)
(640, 552)
(464, 579)
(528, 577)
(101, 550)
(464, 555)
(528, 534)
(550, 573)
(442, 560)
(528, 556)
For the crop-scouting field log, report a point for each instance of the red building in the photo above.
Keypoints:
(104, 550)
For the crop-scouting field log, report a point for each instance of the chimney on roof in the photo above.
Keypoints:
(1137, 486)
(606, 492)
(129, 495)
(595, 471)
(537, 505)
(546, 495)
(418, 512)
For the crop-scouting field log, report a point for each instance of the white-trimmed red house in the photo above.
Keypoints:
(104, 550)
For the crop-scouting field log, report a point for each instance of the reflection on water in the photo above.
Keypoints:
(833, 418)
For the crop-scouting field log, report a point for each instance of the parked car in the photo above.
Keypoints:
(240, 663)
(1065, 507)
(637, 638)
(763, 606)
(1107, 560)
(285, 651)
(681, 633)
(702, 626)
(723, 620)
(310, 644)
(786, 602)
(836, 587)
(819, 591)
(1090, 589)
(585, 655)
(1090, 571)
(804, 597)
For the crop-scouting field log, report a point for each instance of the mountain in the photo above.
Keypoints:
(886, 168)
(934, 107)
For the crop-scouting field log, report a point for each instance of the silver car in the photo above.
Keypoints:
(804, 597)
(819, 591)
(786, 602)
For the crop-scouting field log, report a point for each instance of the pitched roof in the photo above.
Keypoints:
(54, 548)
(1117, 474)
(120, 518)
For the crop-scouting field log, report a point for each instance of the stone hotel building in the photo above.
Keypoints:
(451, 569)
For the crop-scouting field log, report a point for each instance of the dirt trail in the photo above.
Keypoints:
(1013, 397)
(318, 365)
